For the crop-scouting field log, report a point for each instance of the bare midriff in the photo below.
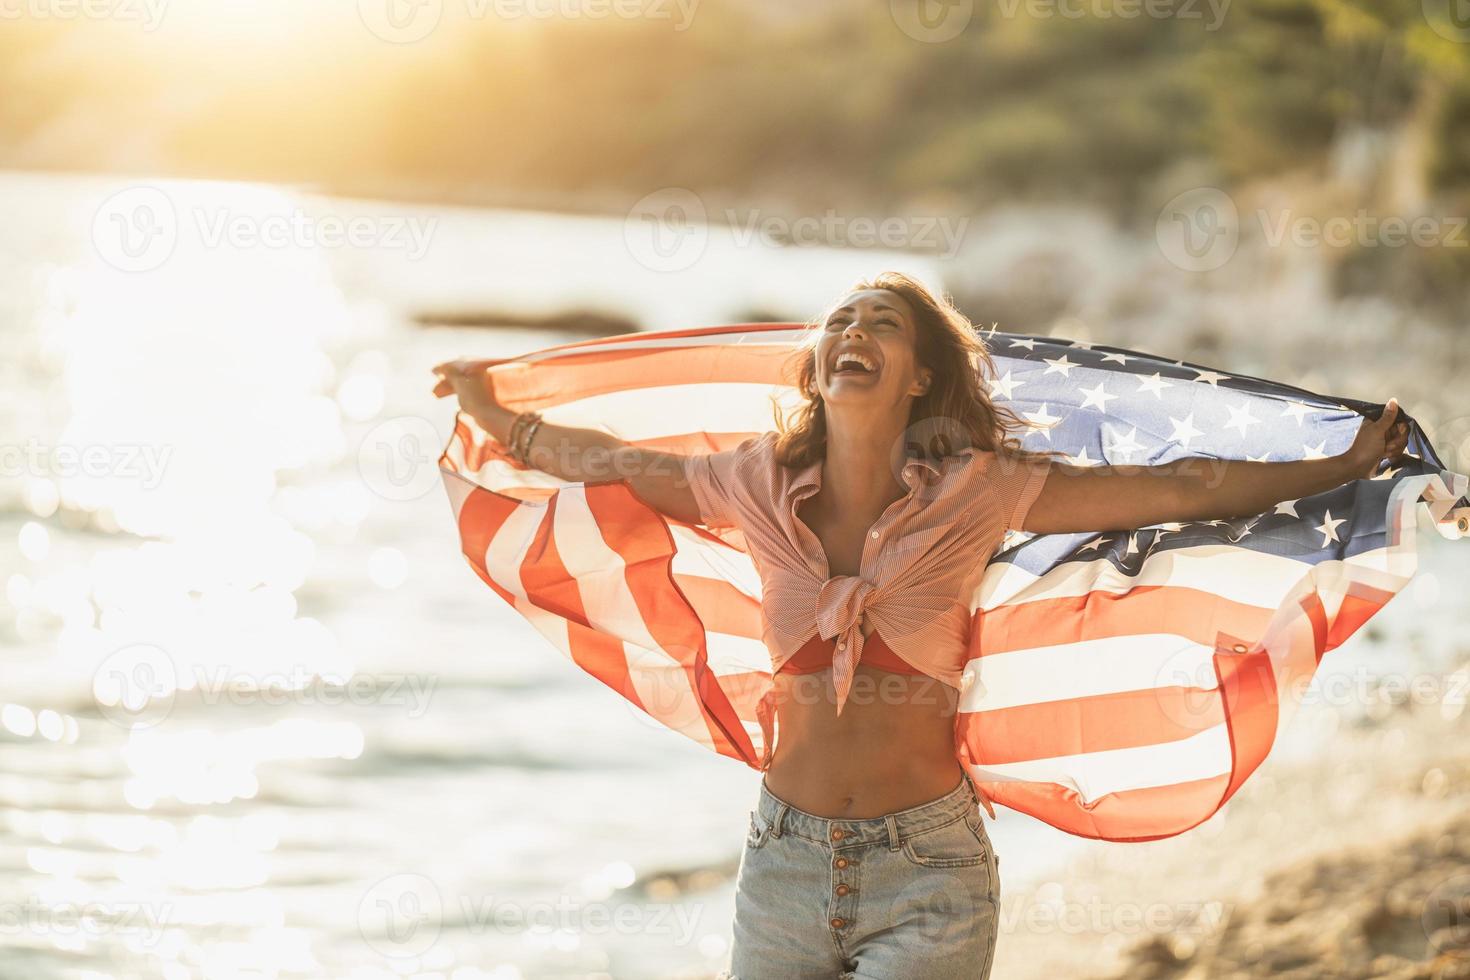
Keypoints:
(891, 748)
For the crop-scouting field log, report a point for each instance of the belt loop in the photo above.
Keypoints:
(780, 815)
(892, 822)
(979, 795)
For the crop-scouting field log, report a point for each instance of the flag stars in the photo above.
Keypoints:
(1328, 528)
(1005, 386)
(1027, 342)
(1126, 446)
(1298, 411)
(1241, 418)
(1083, 459)
(1111, 356)
(1043, 420)
(1209, 377)
(1184, 430)
(1244, 530)
(1155, 384)
(1288, 507)
(1315, 452)
(1096, 396)
(1060, 365)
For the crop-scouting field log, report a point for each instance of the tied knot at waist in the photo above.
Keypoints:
(839, 614)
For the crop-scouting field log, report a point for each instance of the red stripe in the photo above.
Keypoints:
(479, 519)
(1361, 604)
(598, 372)
(642, 539)
(1128, 815)
(721, 606)
(1122, 720)
(552, 587)
(1172, 609)
(1252, 713)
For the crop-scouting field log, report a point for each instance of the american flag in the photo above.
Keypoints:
(1120, 685)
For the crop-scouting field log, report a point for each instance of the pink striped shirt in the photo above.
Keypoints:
(921, 561)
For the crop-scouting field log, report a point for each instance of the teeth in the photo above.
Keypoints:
(847, 356)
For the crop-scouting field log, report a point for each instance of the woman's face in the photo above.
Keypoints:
(879, 328)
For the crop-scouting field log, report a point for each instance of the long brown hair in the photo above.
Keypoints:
(956, 406)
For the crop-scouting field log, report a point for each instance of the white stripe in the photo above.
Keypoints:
(458, 489)
(1084, 669)
(700, 557)
(637, 414)
(1145, 661)
(1228, 571)
(503, 558)
(731, 654)
(1094, 775)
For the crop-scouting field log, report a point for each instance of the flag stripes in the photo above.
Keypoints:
(1121, 685)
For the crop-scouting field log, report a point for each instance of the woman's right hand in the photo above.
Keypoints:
(465, 378)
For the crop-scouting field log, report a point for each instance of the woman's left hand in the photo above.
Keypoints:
(1385, 438)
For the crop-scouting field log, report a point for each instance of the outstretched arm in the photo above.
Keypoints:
(576, 455)
(1120, 498)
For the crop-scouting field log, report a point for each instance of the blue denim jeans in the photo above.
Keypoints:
(912, 895)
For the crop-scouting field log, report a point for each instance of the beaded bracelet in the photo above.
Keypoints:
(522, 431)
(525, 454)
(513, 436)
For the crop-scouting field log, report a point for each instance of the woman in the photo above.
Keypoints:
(866, 851)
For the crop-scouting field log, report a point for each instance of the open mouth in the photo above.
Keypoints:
(853, 364)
